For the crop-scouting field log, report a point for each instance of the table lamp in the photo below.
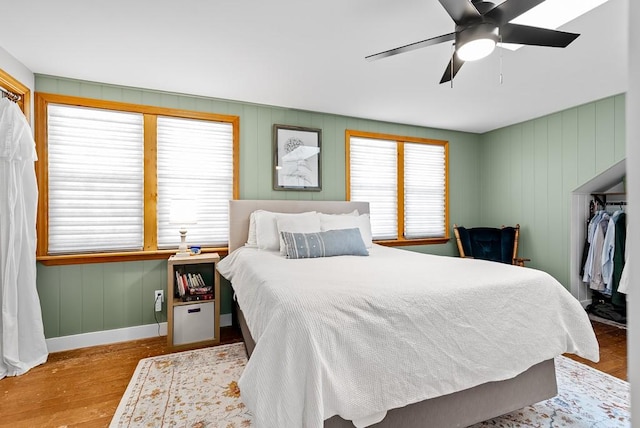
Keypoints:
(183, 212)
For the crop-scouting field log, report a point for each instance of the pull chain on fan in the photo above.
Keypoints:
(501, 79)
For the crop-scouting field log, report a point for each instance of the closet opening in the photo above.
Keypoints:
(598, 245)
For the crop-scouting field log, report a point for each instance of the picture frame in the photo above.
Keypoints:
(297, 158)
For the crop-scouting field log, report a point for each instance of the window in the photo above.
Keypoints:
(108, 171)
(405, 181)
(95, 172)
(195, 160)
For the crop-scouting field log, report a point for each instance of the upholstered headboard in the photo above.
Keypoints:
(240, 210)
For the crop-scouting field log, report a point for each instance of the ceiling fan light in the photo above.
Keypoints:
(476, 49)
(477, 41)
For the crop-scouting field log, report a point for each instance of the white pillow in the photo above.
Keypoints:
(267, 236)
(327, 217)
(252, 240)
(301, 223)
(362, 222)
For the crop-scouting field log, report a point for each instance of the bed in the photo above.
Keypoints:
(410, 340)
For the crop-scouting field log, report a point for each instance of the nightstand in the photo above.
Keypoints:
(193, 319)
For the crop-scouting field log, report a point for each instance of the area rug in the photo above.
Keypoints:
(198, 389)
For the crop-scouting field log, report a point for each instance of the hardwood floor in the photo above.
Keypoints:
(613, 350)
(82, 388)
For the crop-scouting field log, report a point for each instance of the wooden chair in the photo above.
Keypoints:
(489, 243)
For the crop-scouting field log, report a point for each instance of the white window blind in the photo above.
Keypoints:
(373, 179)
(195, 161)
(95, 173)
(424, 191)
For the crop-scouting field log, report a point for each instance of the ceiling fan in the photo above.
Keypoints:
(479, 26)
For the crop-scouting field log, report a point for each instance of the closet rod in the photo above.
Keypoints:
(601, 198)
(616, 203)
(10, 95)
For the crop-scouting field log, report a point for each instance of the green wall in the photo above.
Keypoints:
(94, 297)
(529, 171)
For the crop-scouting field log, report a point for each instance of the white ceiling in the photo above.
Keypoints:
(310, 55)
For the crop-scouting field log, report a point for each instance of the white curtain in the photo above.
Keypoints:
(22, 342)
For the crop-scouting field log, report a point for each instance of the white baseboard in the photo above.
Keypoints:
(105, 337)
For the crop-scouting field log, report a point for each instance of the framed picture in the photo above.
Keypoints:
(296, 158)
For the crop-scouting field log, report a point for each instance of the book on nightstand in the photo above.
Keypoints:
(191, 284)
(197, 297)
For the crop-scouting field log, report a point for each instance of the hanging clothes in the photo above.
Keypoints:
(593, 267)
(609, 249)
(619, 262)
(623, 285)
(588, 260)
(22, 341)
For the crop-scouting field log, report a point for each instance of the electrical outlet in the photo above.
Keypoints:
(158, 297)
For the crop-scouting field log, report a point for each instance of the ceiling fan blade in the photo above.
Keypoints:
(413, 46)
(460, 10)
(511, 9)
(457, 63)
(525, 35)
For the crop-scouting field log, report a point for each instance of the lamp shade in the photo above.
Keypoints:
(183, 211)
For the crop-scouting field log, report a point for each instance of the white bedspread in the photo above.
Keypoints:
(356, 336)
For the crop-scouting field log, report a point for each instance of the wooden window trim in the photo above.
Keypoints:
(400, 140)
(150, 249)
(11, 84)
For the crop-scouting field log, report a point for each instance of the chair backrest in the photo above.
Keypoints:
(488, 243)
